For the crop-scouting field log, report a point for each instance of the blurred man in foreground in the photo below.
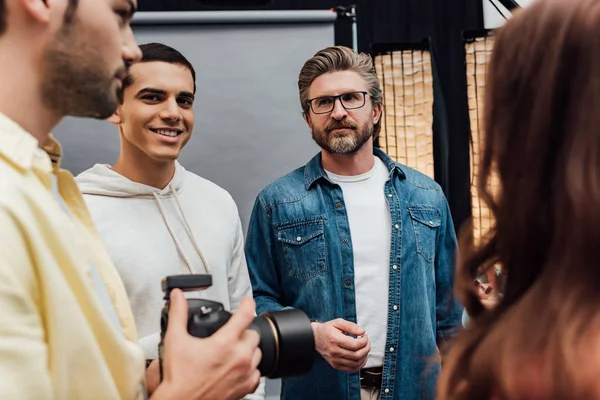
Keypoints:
(66, 329)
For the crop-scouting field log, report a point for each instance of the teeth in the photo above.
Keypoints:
(166, 133)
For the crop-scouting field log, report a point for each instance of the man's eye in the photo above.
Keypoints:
(151, 98)
(123, 15)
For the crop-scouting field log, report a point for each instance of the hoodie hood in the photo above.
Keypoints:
(101, 180)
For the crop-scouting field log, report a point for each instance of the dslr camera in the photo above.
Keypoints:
(287, 342)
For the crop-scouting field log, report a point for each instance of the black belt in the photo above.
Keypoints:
(371, 377)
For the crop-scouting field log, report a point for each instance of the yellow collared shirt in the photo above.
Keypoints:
(56, 341)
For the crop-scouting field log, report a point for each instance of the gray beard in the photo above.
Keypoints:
(349, 142)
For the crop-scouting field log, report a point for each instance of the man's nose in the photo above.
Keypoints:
(171, 111)
(338, 111)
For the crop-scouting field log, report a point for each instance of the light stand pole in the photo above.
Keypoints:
(349, 13)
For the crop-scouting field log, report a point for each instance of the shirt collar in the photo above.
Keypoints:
(313, 170)
(22, 149)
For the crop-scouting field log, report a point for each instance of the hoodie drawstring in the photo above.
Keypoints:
(189, 231)
(187, 228)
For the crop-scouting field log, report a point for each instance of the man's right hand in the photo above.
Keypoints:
(222, 366)
(341, 351)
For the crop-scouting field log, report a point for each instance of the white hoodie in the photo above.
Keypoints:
(151, 233)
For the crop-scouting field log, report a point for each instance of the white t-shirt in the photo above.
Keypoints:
(370, 227)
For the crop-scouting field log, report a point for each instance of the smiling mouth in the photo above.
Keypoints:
(166, 132)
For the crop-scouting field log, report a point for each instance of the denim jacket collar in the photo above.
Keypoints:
(314, 171)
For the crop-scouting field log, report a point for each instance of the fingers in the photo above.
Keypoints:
(352, 356)
(240, 320)
(347, 326)
(242, 387)
(254, 382)
(345, 359)
(352, 344)
(256, 357)
(355, 363)
(249, 341)
(178, 312)
(250, 338)
(364, 362)
(249, 383)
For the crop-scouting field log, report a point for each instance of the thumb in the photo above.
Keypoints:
(178, 312)
(349, 327)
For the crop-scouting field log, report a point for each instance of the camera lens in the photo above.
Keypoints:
(287, 343)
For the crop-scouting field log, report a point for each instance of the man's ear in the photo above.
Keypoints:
(377, 110)
(115, 118)
(38, 10)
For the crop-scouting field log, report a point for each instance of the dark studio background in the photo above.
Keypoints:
(400, 21)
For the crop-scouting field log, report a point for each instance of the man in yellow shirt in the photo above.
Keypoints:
(66, 329)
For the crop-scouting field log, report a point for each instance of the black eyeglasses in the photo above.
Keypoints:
(326, 104)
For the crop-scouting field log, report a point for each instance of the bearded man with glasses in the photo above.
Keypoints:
(362, 244)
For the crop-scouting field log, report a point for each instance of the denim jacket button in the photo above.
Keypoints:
(395, 308)
(338, 205)
(348, 283)
(345, 240)
(298, 239)
(387, 390)
(394, 267)
(397, 226)
(390, 195)
(391, 349)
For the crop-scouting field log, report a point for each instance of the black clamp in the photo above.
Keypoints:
(348, 12)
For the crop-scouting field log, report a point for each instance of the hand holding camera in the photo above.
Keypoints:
(223, 366)
(208, 353)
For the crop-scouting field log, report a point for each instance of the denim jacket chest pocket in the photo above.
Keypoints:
(303, 244)
(426, 221)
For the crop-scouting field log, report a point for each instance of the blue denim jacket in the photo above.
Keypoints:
(299, 254)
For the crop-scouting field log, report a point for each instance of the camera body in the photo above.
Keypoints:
(286, 337)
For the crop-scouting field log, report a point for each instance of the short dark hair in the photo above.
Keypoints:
(68, 14)
(159, 52)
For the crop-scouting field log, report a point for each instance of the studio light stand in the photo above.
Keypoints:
(350, 14)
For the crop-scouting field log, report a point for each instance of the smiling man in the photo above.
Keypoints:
(156, 218)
